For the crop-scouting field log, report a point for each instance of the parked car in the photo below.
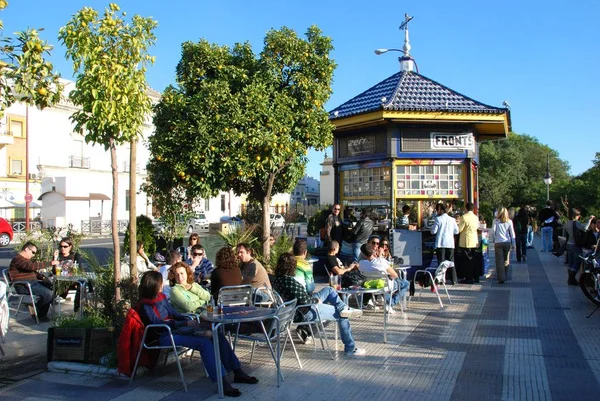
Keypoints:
(277, 220)
(6, 232)
(197, 223)
(232, 221)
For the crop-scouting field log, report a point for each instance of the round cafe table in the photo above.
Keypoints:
(242, 314)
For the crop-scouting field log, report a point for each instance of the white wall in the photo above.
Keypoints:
(327, 182)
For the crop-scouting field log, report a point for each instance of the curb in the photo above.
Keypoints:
(84, 369)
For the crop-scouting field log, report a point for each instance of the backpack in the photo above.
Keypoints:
(578, 235)
(353, 278)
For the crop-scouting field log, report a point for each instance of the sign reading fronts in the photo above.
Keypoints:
(361, 145)
(449, 141)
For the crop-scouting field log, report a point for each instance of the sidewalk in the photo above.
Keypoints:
(527, 339)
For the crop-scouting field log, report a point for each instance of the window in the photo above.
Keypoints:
(126, 200)
(206, 204)
(16, 167)
(16, 128)
(429, 180)
(367, 182)
(222, 203)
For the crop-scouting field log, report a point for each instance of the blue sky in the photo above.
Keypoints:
(542, 56)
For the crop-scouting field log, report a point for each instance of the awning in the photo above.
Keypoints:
(90, 197)
(32, 205)
(95, 196)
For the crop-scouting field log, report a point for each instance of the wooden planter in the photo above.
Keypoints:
(80, 345)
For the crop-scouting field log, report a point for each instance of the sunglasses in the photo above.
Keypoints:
(32, 251)
(375, 243)
(198, 254)
(65, 246)
(385, 244)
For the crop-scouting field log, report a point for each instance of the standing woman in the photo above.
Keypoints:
(520, 223)
(504, 241)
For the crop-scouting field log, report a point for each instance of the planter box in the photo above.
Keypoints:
(81, 345)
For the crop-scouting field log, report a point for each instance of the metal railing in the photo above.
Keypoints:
(101, 227)
(19, 226)
(79, 162)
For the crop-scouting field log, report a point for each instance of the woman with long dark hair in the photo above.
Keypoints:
(154, 308)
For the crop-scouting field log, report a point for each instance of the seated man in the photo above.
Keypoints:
(334, 264)
(328, 302)
(304, 270)
(253, 272)
(201, 266)
(22, 268)
(376, 267)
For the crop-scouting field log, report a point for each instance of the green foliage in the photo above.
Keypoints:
(252, 213)
(172, 210)
(246, 120)
(282, 245)
(47, 240)
(512, 172)
(319, 220)
(583, 190)
(240, 234)
(92, 319)
(145, 233)
(23, 66)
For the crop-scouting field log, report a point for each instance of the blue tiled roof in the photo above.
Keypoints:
(410, 91)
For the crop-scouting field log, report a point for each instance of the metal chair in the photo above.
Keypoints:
(236, 295)
(28, 299)
(4, 315)
(317, 323)
(437, 275)
(284, 316)
(171, 347)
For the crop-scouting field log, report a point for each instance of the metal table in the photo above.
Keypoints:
(242, 314)
(83, 281)
(358, 292)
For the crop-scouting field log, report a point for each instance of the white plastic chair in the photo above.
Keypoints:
(437, 276)
(28, 299)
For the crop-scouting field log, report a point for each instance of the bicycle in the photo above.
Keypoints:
(589, 281)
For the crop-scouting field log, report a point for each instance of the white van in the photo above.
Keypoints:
(199, 222)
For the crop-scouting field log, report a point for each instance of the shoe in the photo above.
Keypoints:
(309, 340)
(500, 282)
(370, 307)
(31, 310)
(302, 336)
(245, 380)
(390, 311)
(356, 352)
(524, 259)
(233, 392)
(350, 312)
(572, 280)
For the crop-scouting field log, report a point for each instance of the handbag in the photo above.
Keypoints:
(353, 278)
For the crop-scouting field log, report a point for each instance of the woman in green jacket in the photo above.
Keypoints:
(187, 296)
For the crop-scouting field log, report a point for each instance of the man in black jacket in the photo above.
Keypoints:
(362, 231)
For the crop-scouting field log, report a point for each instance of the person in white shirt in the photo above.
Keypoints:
(504, 241)
(377, 267)
(445, 228)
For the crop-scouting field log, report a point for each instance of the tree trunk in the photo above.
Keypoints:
(132, 209)
(266, 222)
(113, 217)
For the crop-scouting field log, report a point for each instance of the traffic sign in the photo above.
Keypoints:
(28, 198)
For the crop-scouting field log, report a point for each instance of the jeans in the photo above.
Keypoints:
(44, 293)
(502, 256)
(574, 260)
(229, 360)
(521, 246)
(401, 287)
(547, 239)
(329, 309)
(529, 237)
(259, 296)
(356, 250)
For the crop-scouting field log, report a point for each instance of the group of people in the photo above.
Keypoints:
(23, 268)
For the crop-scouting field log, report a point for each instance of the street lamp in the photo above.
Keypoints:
(548, 177)
(407, 63)
(379, 52)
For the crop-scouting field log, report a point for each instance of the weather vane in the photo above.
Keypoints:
(404, 27)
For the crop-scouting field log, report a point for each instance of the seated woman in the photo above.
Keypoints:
(155, 309)
(334, 264)
(328, 302)
(226, 273)
(69, 261)
(186, 295)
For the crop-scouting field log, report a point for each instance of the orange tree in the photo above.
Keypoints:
(241, 121)
(25, 74)
(110, 58)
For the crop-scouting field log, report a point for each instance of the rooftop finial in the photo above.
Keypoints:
(404, 27)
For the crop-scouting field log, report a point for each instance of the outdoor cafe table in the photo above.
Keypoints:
(358, 293)
(82, 280)
(242, 314)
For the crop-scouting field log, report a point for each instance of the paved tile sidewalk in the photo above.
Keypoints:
(527, 339)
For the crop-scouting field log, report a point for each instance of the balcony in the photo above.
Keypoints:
(79, 162)
(6, 138)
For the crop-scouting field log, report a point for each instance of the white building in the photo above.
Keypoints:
(306, 192)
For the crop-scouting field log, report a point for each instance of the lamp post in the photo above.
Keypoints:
(548, 177)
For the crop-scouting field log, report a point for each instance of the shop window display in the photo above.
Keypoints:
(429, 180)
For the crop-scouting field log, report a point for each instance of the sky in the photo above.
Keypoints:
(541, 56)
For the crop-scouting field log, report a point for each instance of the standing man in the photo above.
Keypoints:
(445, 228)
(362, 232)
(22, 268)
(334, 226)
(467, 241)
(547, 219)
